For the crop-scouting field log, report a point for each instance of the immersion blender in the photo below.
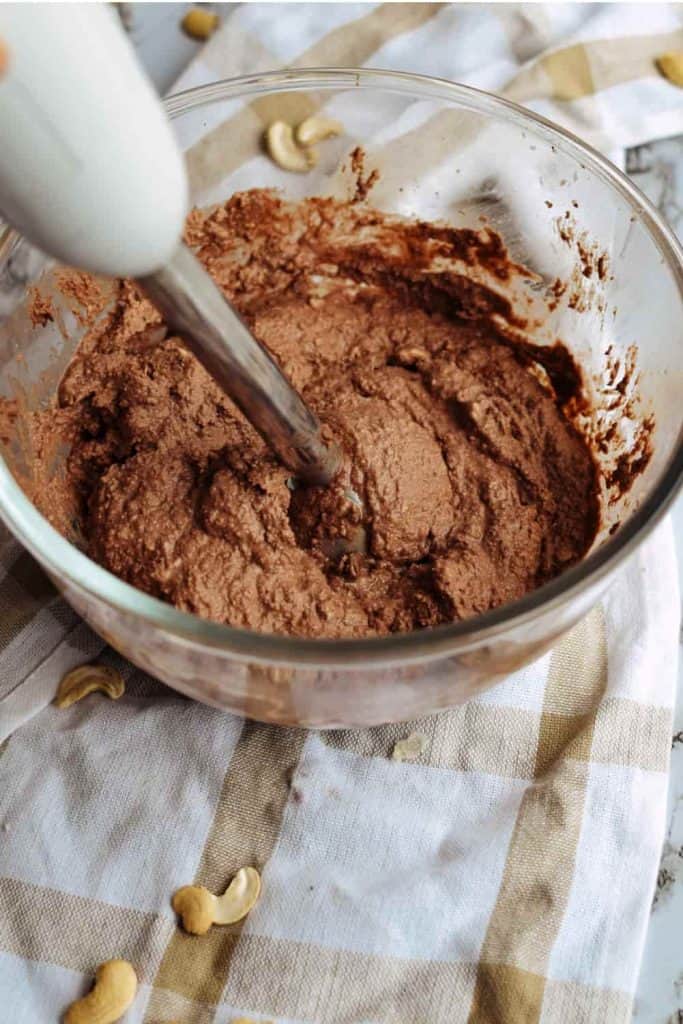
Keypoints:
(91, 173)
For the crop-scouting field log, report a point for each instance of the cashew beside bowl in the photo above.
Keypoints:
(85, 679)
(199, 24)
(284, 151)
(671, 66)
(111, 995)
(198, 908)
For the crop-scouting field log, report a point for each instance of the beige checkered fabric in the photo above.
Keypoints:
(504, 877)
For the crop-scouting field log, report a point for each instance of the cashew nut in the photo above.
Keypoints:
(316, 129)
(111, 995)
(85, 679)
(283, 149)
(410, 748)
(198, 908)
(199, 24)
(671, 66)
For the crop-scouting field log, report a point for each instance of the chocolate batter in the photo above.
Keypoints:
(477, 488)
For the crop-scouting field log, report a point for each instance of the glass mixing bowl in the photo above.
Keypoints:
(444, 152)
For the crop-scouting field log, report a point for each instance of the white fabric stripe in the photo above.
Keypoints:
(32, 645)
(38, 688)
(312, 21)
(368, 840)
(603, 932)
(646, 669)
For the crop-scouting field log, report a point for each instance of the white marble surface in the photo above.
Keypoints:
(658, 170)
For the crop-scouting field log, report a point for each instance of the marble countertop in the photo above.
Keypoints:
(657, 168)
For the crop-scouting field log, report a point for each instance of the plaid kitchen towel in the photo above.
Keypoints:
(504, 877)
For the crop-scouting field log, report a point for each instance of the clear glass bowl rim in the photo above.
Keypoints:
(67, 562)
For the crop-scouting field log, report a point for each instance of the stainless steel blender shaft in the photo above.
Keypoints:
(196, 309)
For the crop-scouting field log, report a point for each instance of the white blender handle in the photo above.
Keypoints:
(90, 171)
